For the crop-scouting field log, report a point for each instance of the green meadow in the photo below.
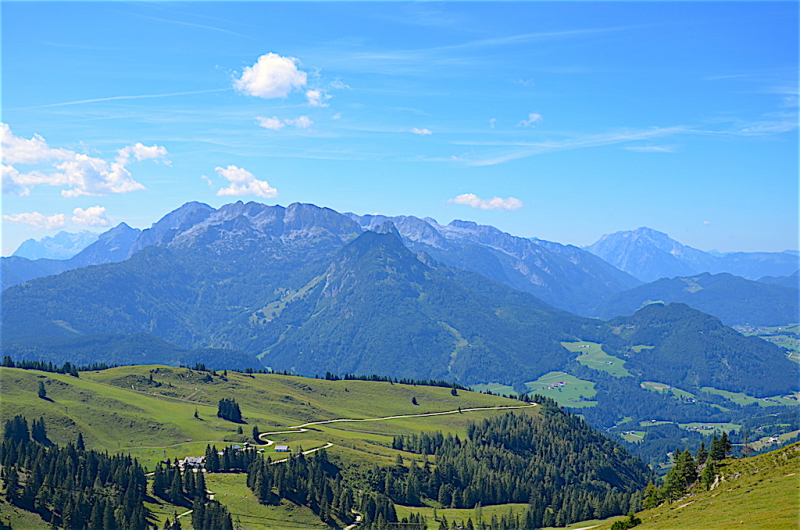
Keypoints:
(759, 493)
(665, 388)
(593, 356)
(743, 399)
(567, 390)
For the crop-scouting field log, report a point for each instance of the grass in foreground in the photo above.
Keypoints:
(759, 493)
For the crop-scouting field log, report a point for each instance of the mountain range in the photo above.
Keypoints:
(649, 255)
(63, 245)
(309, 289)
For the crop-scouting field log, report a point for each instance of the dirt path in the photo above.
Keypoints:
(304, 427)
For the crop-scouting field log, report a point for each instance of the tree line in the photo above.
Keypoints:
(554, 461)
(70, 486)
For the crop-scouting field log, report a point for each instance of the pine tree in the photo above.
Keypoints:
(702, 454)
(42, 390)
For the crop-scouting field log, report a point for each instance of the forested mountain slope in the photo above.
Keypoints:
(732, 299)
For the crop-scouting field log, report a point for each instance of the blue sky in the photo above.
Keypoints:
(562, 121)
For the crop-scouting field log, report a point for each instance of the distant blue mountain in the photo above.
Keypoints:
(649, 255)
(63, 245)
(110, 247)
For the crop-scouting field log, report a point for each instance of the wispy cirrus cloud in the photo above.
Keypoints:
(651, 148)
(118, 98)
(495, 203)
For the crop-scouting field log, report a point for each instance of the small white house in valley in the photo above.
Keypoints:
(281, 448)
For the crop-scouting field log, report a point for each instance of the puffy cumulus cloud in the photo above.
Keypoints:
(38, 221)
(273, 124)
(94, 176)
(16, 150)
(532, 120)
(85, 175)
(496, 203)
(421, 132)
(272, 76)
(303, 122)
(317, 98)
(10, 181)
(92, 216)
(141, 152)
(244, 183)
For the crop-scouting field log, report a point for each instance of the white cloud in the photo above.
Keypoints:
(92, 216)
(94, 176)
(85, 175)
(272, 76)
(496, 203)
(422, 132)
(532, 120)
(38, 221)
(244, 183)
(337, 116)
(492, 122)
(303, 122)
(317, 98)
(141, 152)
(273, 123)
(339, 85)
(10, 181)
(16, 150)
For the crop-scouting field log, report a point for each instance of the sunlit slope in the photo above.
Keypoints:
(762, 492)
(123, 409)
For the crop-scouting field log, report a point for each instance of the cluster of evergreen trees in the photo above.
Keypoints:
(229, 410)
(566, 471)
(176, 487)
(329, 376)
(687, 470)
(70, 486)
(312, 482)
(66, 368)
(230, 461)
(210, 516)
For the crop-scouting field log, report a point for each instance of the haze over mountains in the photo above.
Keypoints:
(649, 255)
(63, 245)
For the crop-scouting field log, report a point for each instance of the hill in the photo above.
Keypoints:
(648, 255)
(157, 412)
(755, 493)
(734, 300)
(687, 348)
(139, 348)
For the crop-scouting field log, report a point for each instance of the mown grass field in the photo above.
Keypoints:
(593, 356)
(759, 493)
(574, 393)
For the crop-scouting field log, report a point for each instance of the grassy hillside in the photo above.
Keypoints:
(755, 493)
(123, 409)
